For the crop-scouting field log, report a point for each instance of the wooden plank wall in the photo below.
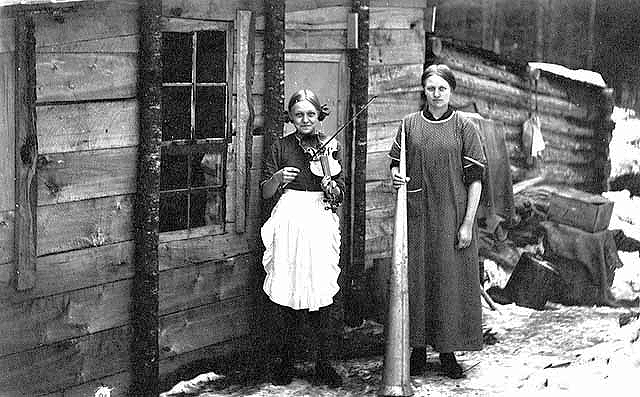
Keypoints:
(71, 332)
(396, 59)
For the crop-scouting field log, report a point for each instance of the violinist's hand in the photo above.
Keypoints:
(396, 179)
(286, 175)
(329, 186)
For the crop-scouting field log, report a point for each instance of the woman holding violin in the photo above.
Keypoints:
(302, 235)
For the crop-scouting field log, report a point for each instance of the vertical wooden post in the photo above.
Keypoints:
(145, 283)
(26, 146)
(243, 78)
(359, 87)
(273, 70)
(273, 126)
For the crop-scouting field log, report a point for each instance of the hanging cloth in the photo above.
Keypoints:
(532, 141)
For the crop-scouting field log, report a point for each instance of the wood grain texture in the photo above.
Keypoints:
(67, 271)
(111, 19)
(54, 318)
(65, 364)
(7, 126)
(245, 33)
(85, 77)
(83, 224)
(180, 253)
(73, 176)
(7, 219)
(87, 126)
(26, 154)
(207, 282)
(388, 17)
(224, 10)
(394, 47)
(206, 325)
(7, 34)
(44, 321)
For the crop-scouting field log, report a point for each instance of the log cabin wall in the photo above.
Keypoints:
(600, 35)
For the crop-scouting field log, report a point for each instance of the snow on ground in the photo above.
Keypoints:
(560, 351)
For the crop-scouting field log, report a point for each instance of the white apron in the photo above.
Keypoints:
(302, 241)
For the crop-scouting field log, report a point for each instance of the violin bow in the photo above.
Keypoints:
(342, 127)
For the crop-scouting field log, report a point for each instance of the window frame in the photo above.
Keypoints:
(179, 25)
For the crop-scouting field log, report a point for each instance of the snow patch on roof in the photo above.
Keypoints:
(586, 76)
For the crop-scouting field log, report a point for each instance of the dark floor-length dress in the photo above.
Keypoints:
(444, 291)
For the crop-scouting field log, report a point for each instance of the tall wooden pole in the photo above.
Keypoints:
(147, 214)
(359, 89)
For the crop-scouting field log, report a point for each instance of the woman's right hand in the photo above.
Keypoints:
(286, 175)
(396, 179)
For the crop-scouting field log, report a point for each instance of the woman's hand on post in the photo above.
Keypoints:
(465, 233)
(396, 179)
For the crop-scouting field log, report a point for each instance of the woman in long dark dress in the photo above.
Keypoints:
(445, 163)
(302, 240)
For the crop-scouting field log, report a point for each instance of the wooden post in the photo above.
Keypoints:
(273, 70)
(145, 284)
(359, 65)
(245, 37)
(26, 146)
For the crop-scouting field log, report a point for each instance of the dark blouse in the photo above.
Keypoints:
(286, 152)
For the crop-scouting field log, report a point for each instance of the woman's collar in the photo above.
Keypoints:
(429, 116)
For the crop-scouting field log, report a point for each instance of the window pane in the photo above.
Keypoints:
(207, 207)
(211, 57)
(176, 113)
(210, 112)
(207, 169)
(173, 170)
(176, 57)
(173, 211)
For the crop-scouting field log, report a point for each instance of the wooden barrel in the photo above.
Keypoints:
(531, 282)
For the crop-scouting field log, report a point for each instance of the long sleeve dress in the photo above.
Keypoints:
(444, 296)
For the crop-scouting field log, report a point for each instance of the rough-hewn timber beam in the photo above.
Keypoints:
(145, 288)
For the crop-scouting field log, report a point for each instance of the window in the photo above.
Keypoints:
(195, 112)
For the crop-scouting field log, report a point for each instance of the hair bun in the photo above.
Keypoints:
(324, 112)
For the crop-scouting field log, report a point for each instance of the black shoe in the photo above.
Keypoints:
(418, 361)
(282, 374)
(325, 374)
(450, 366)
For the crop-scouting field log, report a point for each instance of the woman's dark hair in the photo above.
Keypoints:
(308, 95)
(442, 71)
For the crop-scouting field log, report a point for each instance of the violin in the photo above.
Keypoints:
(323, 162)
